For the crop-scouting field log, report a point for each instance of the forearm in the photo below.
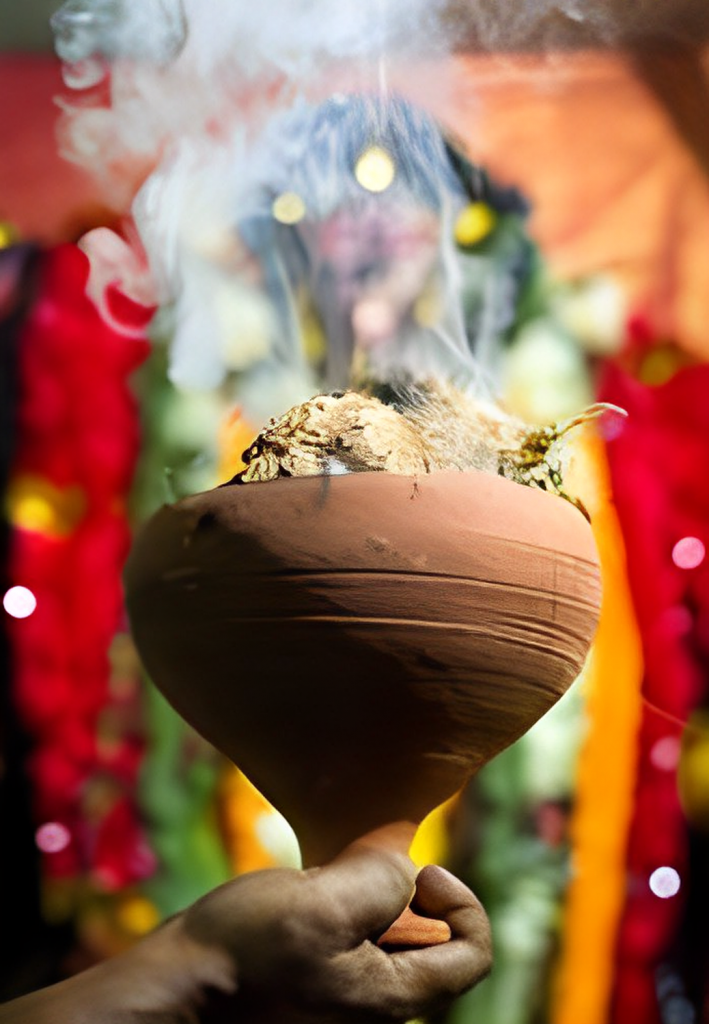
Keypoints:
(160, 981)
(302, 944)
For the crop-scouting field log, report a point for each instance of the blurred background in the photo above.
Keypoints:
(588, 840)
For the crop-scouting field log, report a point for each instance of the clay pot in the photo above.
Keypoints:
(360, 645)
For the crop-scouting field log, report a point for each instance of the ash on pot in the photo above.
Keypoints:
(422, 429)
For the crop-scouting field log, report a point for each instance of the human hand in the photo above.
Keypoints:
(285, 947)
(302, 944)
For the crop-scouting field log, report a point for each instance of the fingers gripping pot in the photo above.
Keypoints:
(360, 645)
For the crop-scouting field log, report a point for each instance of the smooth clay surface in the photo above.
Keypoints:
(360, 645)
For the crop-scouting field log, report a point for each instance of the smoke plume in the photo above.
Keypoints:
(230, 135)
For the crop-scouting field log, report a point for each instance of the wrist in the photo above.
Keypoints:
(171, 973)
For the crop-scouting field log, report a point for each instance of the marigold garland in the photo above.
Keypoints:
(605, 783)
(658, 466)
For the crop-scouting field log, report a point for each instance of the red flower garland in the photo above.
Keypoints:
(658, 465)
(76, 454)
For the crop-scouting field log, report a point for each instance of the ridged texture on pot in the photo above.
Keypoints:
(359, 645)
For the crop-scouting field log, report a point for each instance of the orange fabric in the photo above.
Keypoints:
(606, 782)
(614, 185)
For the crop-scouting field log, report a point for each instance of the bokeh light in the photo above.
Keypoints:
(373, 320)
(375, 169)
(36, 505)
(8, 235)
(288, 208)
(688, 553)
(35, 513)
(138, 915)
(665, 882)
(474, 223)
(665, 753)
(53, 837)
(19, 602)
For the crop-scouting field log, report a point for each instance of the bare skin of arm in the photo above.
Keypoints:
(282, 946)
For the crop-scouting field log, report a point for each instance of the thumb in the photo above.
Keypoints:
(370, 885)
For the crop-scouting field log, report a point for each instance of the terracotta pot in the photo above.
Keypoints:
(360, 645)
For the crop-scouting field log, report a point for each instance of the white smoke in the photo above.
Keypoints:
(178, 69)
(189, 111)
(172, 97)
